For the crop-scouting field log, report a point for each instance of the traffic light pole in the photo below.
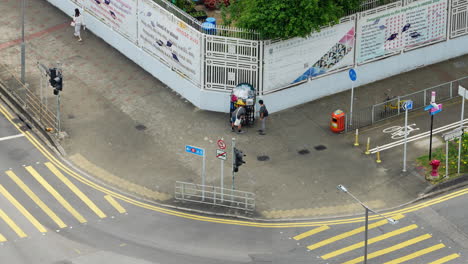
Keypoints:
(58, 114)
(233, 160)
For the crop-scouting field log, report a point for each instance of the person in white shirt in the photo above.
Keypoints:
(78, 21)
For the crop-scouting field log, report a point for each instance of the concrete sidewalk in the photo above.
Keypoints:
(128, 129)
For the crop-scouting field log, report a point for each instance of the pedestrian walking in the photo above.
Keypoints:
(263, 117)
(77, 23)
(237, 116)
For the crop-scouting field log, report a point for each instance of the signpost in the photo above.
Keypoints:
(222, 155)
(353, 77)
(456, 133)
(433, 109)
(199, 152)
(408, 105)
(462, 93)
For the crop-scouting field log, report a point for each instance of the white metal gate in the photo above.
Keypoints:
(459, 18)
(230, 61)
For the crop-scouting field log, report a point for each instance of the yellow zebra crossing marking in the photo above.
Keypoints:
(56, 195)
(311, 232)
(23, 210)
(74, 189)
(36, 199)
(115, 204)
(2, 238)
(12, 224)
(350, 233)
(416, 254)
(445, 259)
(390, 249)
(370, 241)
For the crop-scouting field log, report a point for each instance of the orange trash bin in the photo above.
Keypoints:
(337, 123)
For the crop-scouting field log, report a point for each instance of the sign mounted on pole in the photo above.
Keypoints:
(221, 144)
(221, 154)
(195, 150)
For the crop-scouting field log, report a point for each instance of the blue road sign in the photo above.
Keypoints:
(408, 105)
(352, 75)
(195, 150)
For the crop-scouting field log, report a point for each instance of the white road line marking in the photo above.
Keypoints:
(11, 137)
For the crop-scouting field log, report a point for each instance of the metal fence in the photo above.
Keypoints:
(211, 195)
(370, 4)
(394, 107)
(29, 100)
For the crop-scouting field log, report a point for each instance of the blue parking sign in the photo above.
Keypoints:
(195, 150)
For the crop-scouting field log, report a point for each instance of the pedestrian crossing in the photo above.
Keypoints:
(387, 244)
(40, 198)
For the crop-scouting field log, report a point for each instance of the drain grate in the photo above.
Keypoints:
(320, 147)
(140, 127)
(303, 152)
(263, 158)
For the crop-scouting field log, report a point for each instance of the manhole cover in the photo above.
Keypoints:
(263, 158)
(140, 127)
(303, 151)
(71, 116)
(320, 147)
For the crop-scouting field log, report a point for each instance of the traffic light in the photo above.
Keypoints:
(238, 159)
(56, 80)
(52, 75)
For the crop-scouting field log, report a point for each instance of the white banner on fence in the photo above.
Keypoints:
(169, 38)
(297, 59)
(121, 15)
(405, 27)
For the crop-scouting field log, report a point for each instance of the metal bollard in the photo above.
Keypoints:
(378, 160)
(356, 141)
(367, 152)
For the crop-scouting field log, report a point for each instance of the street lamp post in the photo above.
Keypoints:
(390, 220)
(23, 47)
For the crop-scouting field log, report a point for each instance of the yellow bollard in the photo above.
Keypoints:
(378, 160)
(356, 142)
(367, 152)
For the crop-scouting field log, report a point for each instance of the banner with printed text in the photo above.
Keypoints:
(121, 15)
(405, 27)
(169, 38)
(294, 60)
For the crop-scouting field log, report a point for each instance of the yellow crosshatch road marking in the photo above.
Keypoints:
(311, 232)
(446, 259)
(114, 203)
(56, 195)
(390, 249)
(12, 224)
(23, 210)
(36, 199)
(74, 189)
(370, 241)
(416, 254)
(2, 238)
(350, 233)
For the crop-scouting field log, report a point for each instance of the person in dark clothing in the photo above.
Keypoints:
(263, 117)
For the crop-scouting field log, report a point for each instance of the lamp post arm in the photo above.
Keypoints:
(366, 207)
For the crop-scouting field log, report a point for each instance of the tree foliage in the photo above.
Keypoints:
(286, 18)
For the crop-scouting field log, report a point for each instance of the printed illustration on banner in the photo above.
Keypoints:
(294, 60)
(169, 38)
(120, 15)
(388, 32)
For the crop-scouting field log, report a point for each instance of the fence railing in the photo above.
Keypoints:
(212, 195)
(394, 107)
(29, 100)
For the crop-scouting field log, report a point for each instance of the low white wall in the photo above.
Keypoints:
(280, 100)
(366, 73)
